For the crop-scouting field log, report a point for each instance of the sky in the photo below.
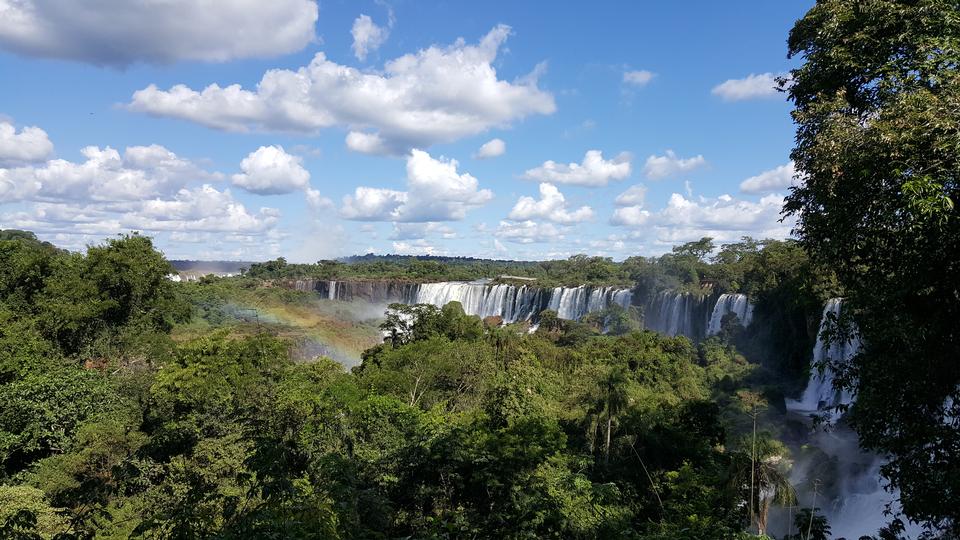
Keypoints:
(248, 130)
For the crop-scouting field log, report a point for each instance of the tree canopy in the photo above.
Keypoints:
(877, 107)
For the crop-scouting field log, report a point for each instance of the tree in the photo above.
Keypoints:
(810, 526)
(613, 399)
(877, 107)
(698, 249)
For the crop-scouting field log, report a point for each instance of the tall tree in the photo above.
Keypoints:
(877, 107)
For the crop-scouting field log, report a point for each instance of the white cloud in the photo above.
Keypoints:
(317, 201)
(638, 78)
(630, 211)
(724, 218)
(594, 171)
(753, 86)
(779, 178)
(142, 171)
(527, 232)
(146, 188)
(200, 209)
(367, 143)
(669, 164)
(419, 231)
(633, 196)
(439, 94)
(31, 144)
(415, 247)
(491, 149)
(435, 192)
(372, 204)
(551, 206)
(122, 32)
(630, 216)
(723, 213)
(367, 36)
(269, 170)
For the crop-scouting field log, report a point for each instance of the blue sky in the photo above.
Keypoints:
(665, 109)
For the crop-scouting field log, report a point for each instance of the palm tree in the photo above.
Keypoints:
(614, 391)
(774, 487)
(767, 467)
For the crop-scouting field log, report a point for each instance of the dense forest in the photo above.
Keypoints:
(135, 406)
(141, 406)
(120, 418)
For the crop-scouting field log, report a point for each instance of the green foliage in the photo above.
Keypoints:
(455, 427)
(877, 108)
(42, 412)
(809, 526)
(25, 510)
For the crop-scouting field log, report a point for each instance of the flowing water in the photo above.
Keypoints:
(482, 298)
(850, 491)
(730, 303)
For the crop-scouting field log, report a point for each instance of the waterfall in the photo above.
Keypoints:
(677, 314)
(854, 486)
(514, 303)
(820, 394)
(730, 303)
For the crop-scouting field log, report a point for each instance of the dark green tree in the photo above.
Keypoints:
(877, 107)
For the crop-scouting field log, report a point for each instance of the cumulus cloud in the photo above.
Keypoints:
(105, 175)
(491, 149)
(269, 170)
(435, 192)
(30, 144)
(200, 209)
(775, 179)
(367, 143)
(630, 210)
(630, 216)
(367, 36)
(527, 232)
(120, 32)
(551, 206)
(633, 196)
(752, 86)
(593, 171)
(723, 218)
(439, 94)
(145, 188)
(670, 164)
(190, 210)
(318, 201)
(638, 78)
(415, 247)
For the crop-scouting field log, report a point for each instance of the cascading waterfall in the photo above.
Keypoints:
(514, 303)
(820, 394)
(677, 314)
(510, 302)
(855, 497)
(332, 291)
(730, 303)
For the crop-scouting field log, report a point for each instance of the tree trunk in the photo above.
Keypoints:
(609, 426)
(753, 469)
